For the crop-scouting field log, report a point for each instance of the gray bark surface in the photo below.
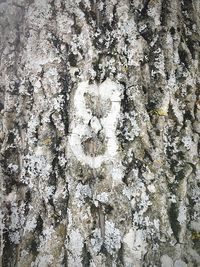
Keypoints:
(99, 133)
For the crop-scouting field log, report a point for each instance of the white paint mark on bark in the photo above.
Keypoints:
(75, 245)
(100, 116)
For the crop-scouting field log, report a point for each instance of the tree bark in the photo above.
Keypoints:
(99, 133)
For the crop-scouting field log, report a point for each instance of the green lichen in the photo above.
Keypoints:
(195, 236)
(159, 112)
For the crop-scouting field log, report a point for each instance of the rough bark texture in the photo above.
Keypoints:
(100, 123)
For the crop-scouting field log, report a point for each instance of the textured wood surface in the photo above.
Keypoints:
(99, 133)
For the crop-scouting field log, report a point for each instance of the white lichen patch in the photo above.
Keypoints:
(187, 141)
(43, 261)
(96, 240)
(36, 166)
(182, 214)
(112, 237)
(82, 191)
(15, 218)
(75, 248)
(30, 224)
(14, 237)
(130, 126)
(103, 197)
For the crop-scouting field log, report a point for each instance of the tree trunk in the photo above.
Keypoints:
(100, 123)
